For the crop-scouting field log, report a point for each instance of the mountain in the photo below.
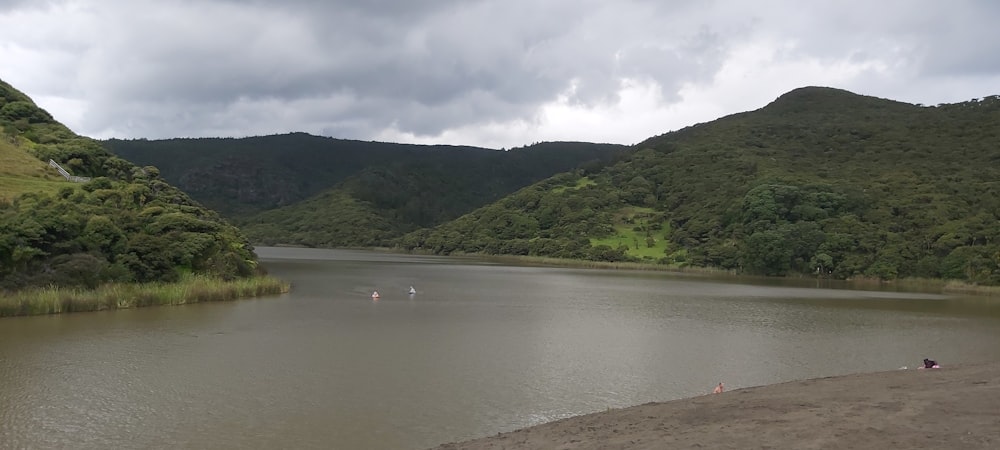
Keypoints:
(117, 223)
(325, 192)
(821, 181)
(243, 176)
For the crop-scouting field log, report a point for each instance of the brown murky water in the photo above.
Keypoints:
(480, 348)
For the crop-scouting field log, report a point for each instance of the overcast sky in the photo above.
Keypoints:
(492, 73)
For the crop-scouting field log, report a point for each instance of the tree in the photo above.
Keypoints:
(768, 253)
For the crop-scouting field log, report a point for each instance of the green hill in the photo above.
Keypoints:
(821, 181)
(240, 177)
(124, 225)
(324, 192)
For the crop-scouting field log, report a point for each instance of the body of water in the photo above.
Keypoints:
(480, 348)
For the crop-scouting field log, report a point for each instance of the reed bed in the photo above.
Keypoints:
(591, 264)
(190, 289)
(959, 287)
(908, 284)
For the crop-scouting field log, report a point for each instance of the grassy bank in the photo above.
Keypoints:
(958, 287)
(190, 289)
(906, 284)
(927, 285)
(590, 264)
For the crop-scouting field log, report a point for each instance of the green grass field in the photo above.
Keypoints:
(21, 172)
(641, 230)
(585, 181)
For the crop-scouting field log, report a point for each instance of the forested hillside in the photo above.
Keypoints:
(385, 201)
(124, 225)
(324, 192)
(821, 181)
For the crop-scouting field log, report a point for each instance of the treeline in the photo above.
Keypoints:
(125, 225)
(299, 189)
(240, 177)
(557, 217)
(820, 182)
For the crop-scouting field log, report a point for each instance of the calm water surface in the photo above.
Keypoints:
(480, 348)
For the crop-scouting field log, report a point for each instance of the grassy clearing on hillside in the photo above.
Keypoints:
(11, 187)
(191, 289)
(20, 172)
(14, 160)
(582, 182)
(642, 230)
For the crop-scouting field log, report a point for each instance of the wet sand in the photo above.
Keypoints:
(948, 408)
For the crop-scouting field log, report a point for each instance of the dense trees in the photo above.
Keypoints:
(553, 218)
(422, 185)
(103, 232)
(126, 224)
(820, 182)
(324, 192)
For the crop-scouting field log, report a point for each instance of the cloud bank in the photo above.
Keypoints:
(481, 72)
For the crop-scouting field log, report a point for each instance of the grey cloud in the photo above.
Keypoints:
(929, 37)
(698, 58)
(11, 5)
(352, 68)
(429, 75)
(965, 40)
(420, 66)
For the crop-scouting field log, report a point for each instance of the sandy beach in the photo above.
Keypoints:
(948, 408)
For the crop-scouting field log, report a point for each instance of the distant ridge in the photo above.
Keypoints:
(318, 191)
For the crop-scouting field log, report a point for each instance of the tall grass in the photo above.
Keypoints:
(906, 284)
(961, 287)
(591, 264)
(190, 289)
(930, 285)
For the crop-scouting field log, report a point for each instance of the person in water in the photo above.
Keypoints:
(718, 389)
(931, 364)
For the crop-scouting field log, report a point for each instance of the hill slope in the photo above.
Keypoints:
(821, 181)
(243, 177)
(20, 172)
(126, 224)
(385, 201)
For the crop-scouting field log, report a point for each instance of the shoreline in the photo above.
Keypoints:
(951, 407)
(935, 285)
(925, 285)
(189, 289)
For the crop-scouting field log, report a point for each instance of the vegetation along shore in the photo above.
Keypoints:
(819, 183)
(190, 289)
(82, 229)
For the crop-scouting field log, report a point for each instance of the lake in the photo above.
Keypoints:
(480, 348)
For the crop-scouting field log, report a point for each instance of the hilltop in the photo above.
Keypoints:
(821, 182)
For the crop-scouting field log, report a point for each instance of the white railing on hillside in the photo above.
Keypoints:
(66, 174)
